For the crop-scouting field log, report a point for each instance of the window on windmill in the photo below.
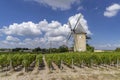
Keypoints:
(80, 37)
(80, 49)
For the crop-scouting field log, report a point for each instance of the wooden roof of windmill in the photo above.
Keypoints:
(79, 29)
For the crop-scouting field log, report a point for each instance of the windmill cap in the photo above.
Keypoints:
(80, 29)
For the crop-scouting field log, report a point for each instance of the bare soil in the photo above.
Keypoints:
(65, 74)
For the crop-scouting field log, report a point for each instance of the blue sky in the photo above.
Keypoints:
(102, 16)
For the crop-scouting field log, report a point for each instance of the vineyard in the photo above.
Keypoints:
(59, 64)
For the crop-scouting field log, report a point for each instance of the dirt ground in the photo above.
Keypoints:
(64, 74)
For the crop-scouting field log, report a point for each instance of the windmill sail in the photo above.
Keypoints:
(77, 22)
(79, 28)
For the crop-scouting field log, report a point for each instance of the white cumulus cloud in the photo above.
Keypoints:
(39, 34)
(46, 27)
(112, 10)
(57, 4)
(23, 29)
(13, 39)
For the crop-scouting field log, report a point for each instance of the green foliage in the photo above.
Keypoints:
(117, 49)
(19, 49)
(63, 48)
(38, 49)
(77, 58)
(83, 58)
(89, 48)
(28, 59)
(4, 60)
(39, 59)
(17, 59)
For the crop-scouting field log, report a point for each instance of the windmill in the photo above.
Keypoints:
(79, 35)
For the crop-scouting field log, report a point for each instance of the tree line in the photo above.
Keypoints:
(62, 48)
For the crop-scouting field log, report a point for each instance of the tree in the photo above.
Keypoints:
(117, 49)
(63, 48)
(90, 48)
(38, 49)
(16, 49)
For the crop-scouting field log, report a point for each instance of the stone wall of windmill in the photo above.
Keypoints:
(80, 42)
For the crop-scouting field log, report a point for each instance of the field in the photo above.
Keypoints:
(60, 66)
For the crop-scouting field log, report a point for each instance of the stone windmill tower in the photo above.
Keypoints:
(80, 36)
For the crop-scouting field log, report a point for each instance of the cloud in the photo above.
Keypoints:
(32, 43)
(1, 33)
(12, 39)
(107, 46)
(112, 10)
(46, 27)
(80, 8)
(31, 35)
(23, 29)
(57, 4)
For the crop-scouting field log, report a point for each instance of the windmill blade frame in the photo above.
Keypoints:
(82, 29)
(70, 26)
(69, 36)
(77, 22)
